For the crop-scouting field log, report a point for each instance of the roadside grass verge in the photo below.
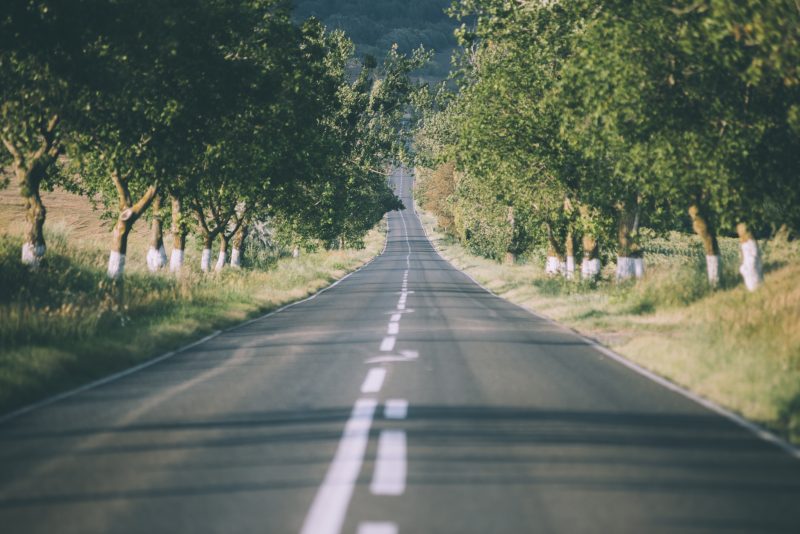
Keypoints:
(738, 349)
(60, 326)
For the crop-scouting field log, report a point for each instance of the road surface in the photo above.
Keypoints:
(405, 399)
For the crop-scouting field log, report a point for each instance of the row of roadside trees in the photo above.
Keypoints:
(576, 122)
(206, 115)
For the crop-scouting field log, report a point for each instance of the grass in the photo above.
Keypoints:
(739, 349)
(60, 326)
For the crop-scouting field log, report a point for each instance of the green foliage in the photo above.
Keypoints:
(582, 115)
(231, 108)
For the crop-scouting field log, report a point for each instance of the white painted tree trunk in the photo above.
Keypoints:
(32, 254)
(751, 269)
(221, 259)
(236, 258)
(625, 268)
(638, 267)
(712, 268)
(570, 267)
(156, 259)
(176, 260)
(554, 266)
(116, 265)
(296, 252)
(205, 260)
(590, 269)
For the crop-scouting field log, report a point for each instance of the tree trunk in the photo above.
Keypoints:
(30, 169)
(178, 237)
(590, 265)
(555, 259)
(238, 244)
(129, 214)
(511, 256)
(33, 248)
(296, 251)
(205, 258)
(705, 231)
(629, 254)
(156, 255)
(570, 249)
(119, 245)
(750, 269)
(223, 252)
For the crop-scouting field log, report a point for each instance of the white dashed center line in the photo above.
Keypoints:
(394, 329)
(388, 343)
(374, 527)
(374, 380)
(389, 477)
(396, 409)
(333, 497)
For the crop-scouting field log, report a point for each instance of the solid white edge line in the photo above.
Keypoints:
(377, 527)
(752, 427)
(374, 380)
(389, 476)
(125, 372)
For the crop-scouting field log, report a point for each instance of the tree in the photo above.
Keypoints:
(46, 71)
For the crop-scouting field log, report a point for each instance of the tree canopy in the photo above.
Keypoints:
(594, 118)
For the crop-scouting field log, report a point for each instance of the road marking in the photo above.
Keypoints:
(386, 359)
(393, 329)
(396, 409)
(328, 510)
(389, 477)
(388, 343)
(374, 380)
(401, 306)
(375, 527)
(405, 356)
(395, 317)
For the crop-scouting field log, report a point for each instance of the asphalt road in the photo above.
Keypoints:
(404, 399)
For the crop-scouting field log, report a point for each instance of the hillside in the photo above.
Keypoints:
(374, 25)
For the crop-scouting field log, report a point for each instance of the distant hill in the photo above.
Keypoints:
(374, 25)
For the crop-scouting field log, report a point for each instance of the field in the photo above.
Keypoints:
(60, 327)
(739, 349)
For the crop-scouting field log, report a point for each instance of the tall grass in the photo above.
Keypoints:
(64, 324)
